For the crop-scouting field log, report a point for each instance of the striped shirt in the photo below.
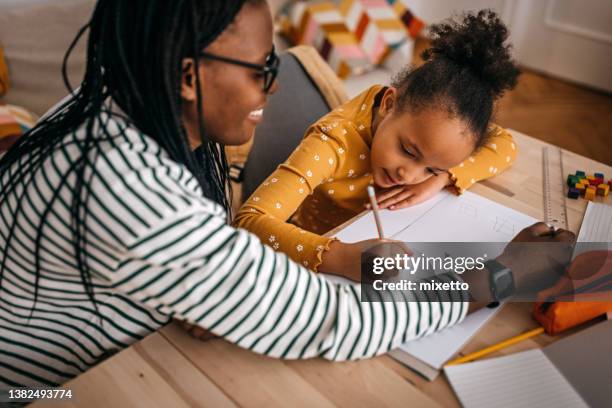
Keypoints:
(158, 249)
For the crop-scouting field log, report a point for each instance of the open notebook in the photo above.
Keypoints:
(573, 372)
(444, 218)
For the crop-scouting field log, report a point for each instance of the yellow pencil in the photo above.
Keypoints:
(495, 347)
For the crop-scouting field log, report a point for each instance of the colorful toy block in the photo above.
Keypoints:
(572, 180)
(580, 173)
(573, 193)
(589, 194)
(594, 181)
(603, 190)
(581, 187)
(599, 175)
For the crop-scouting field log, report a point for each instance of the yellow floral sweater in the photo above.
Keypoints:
(323, 183)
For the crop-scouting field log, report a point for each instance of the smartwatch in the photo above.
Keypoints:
(500, 279)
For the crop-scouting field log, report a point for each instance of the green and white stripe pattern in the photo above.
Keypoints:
(160, 250)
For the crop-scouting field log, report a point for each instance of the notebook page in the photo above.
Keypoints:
(596, 224)
(436, 349)
(596, 228)
(445, 218)
(526, 379)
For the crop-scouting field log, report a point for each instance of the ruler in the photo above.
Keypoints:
(555, 208)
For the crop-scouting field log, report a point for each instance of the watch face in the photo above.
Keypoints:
(503, 283)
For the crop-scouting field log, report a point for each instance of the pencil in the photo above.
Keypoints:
(495, 347)
(374, 205)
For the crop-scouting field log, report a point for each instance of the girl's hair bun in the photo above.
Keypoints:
(476, 42)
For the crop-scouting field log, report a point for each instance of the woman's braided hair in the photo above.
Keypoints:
(134, 55)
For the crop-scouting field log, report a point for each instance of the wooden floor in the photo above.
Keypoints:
(567, 115)
(564, 114)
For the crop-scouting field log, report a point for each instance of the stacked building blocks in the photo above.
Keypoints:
(588, 186)
(573, 192)
(589, 194)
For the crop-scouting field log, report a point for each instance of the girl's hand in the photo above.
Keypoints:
(395, 198)
(344, 259)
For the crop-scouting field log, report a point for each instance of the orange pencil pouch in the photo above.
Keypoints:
(582, 294)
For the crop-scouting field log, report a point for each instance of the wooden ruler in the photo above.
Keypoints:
(555, 208)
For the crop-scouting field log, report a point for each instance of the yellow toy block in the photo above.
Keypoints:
(581, 187)
(589, 194)
(603, 190)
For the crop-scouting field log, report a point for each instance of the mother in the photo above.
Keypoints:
(113, 208)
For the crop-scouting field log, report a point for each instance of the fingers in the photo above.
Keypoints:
(396, 199)
(414, 199)
(384, 195)
(539, 229)
(392, 243)
(562, 235)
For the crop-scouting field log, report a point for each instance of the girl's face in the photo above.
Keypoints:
(232, 95)
(408, 148)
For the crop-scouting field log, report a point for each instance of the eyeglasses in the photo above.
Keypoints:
(269, 70)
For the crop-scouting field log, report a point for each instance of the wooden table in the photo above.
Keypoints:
(170, 368)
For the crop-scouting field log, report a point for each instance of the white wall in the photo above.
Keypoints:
(433, 11)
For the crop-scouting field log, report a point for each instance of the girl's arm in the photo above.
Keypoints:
(267, 211)
(495, 156)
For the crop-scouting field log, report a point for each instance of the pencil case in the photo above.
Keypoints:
(582, 294)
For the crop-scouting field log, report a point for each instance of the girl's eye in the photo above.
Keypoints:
(408, 152)
(435, 173)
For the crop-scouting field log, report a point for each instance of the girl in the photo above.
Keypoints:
(431, 129)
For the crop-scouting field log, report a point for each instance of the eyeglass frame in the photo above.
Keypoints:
(269, 69)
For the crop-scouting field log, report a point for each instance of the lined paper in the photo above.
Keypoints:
(596, 224)
(526, 379)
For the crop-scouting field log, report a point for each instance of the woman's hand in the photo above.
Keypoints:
(538, 256)
(196, 331)
(395, 198)
(344, 259)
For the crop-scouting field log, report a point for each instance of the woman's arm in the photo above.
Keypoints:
(226, 281)
(269, 208)
(184, 261)
(496, 155)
